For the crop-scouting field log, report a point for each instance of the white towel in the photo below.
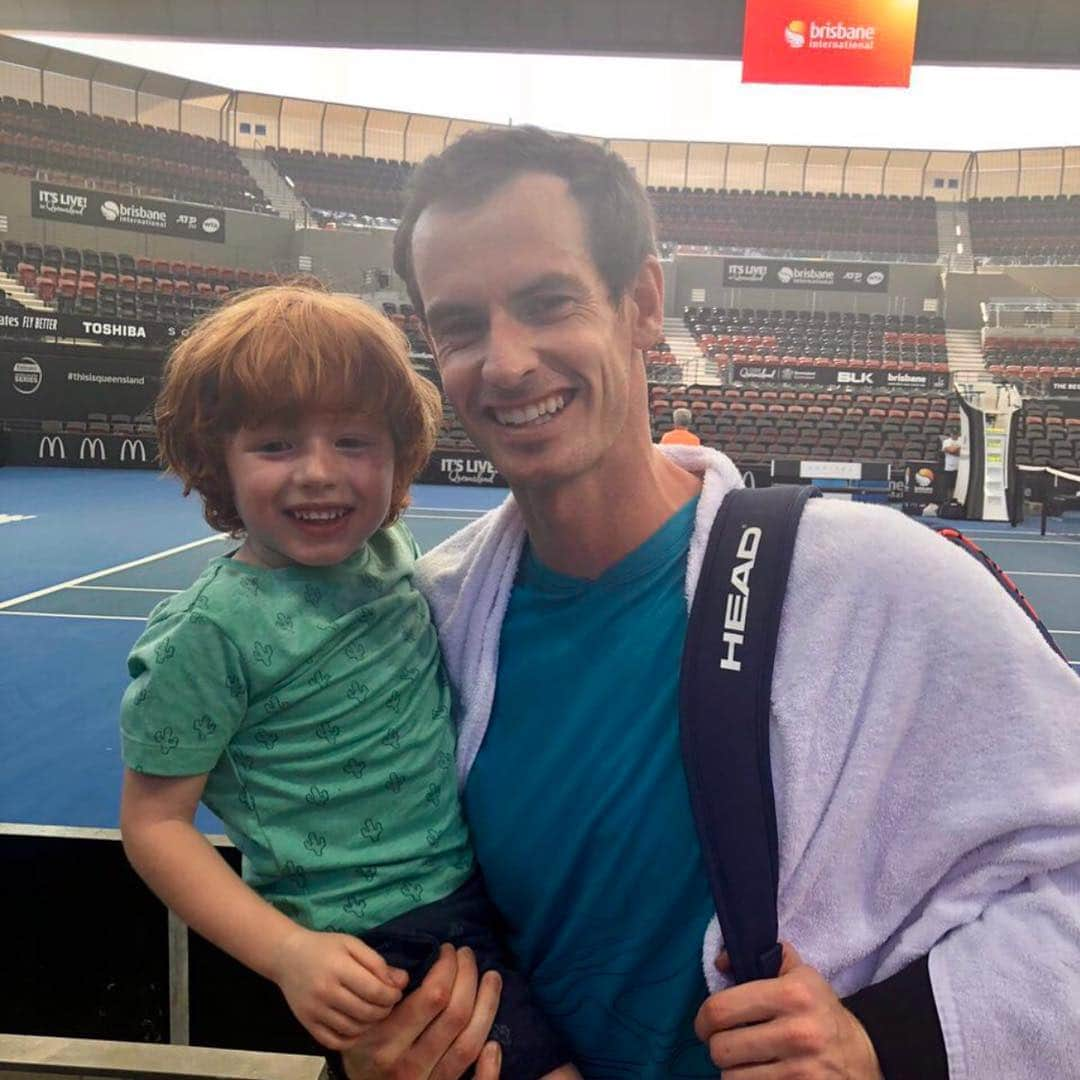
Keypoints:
(926, 762)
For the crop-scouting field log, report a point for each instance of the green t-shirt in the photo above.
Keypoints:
(314, 698)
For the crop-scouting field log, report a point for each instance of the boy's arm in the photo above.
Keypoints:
(334, 983)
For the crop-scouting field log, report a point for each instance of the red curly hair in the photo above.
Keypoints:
(270, 354)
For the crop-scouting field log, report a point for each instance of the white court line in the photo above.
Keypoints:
(1014, 540)
(73, 615)
(137, 588)
(409, 516)
(1070, 632)
(447, 510)
(1037, 573)
(110, 570)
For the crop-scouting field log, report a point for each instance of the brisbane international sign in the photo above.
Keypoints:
(830, 42)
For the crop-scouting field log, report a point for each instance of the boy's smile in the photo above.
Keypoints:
(310, 491)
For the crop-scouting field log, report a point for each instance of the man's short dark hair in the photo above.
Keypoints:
(618, 215)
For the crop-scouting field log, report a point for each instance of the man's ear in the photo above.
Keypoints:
(427, 338)
(647, 293)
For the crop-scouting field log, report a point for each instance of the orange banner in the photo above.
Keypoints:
(830, 42)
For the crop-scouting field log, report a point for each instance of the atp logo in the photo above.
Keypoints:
(795, 33)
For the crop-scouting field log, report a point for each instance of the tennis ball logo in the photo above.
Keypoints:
(924, 478)
(795, 33)
(109, 210)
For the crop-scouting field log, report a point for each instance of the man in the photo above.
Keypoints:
(680, 434)
(950, 449)
(928, 806)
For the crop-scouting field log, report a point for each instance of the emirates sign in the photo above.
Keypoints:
(830, 42)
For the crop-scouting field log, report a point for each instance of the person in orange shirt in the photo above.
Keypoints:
(680, 433)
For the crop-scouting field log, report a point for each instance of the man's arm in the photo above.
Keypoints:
(900, 1016)
(333, 982)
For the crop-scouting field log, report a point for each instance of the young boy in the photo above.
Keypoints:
(296, 687)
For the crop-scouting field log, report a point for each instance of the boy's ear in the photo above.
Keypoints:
(647, 293)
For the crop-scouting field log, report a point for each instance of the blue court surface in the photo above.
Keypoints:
(85, 555)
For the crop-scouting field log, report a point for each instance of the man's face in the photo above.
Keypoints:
(534, 357)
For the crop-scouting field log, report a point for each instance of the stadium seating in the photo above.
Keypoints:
(343, 188)
(900, 227)
(792, 339)
(1037, 230)
(760, 425)
(1031, 363)
(1048, 437)
(74, 147)
(109, 285)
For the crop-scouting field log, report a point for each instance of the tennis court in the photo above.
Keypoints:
(85, 555)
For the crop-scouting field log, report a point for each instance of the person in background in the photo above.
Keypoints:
(680, 434)
(950, 449)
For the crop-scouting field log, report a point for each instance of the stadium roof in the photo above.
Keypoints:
(989, 32)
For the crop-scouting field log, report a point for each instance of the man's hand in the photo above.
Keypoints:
(335, 984)
(793, 1026)
(436, 1032)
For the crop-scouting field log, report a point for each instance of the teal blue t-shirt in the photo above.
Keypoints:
(581, 814)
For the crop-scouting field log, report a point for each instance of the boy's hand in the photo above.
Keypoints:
(438, 1031)
(335, 984)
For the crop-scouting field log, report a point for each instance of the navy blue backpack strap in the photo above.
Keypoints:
(724, 699)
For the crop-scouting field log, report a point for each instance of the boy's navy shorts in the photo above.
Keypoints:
(530, 1047)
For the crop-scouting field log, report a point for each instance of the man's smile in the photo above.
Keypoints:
(533, 413)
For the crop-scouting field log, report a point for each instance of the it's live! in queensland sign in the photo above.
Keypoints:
(830, 42)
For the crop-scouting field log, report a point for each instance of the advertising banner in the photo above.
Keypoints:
(460, 467)
(37, 386)
(830, 42)
(921, 481)
(806, 274)
(79, 450)
(37, 324)
(134, 213)
(1068, 387)
(770, 375)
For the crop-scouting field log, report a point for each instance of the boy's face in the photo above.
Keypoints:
(310, 491)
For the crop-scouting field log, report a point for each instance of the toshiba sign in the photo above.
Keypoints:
(832, 42)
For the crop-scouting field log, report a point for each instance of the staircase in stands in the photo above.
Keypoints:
(15, 291)
(966, 360)
(696, 367)
(954, 237)
(281, 196)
